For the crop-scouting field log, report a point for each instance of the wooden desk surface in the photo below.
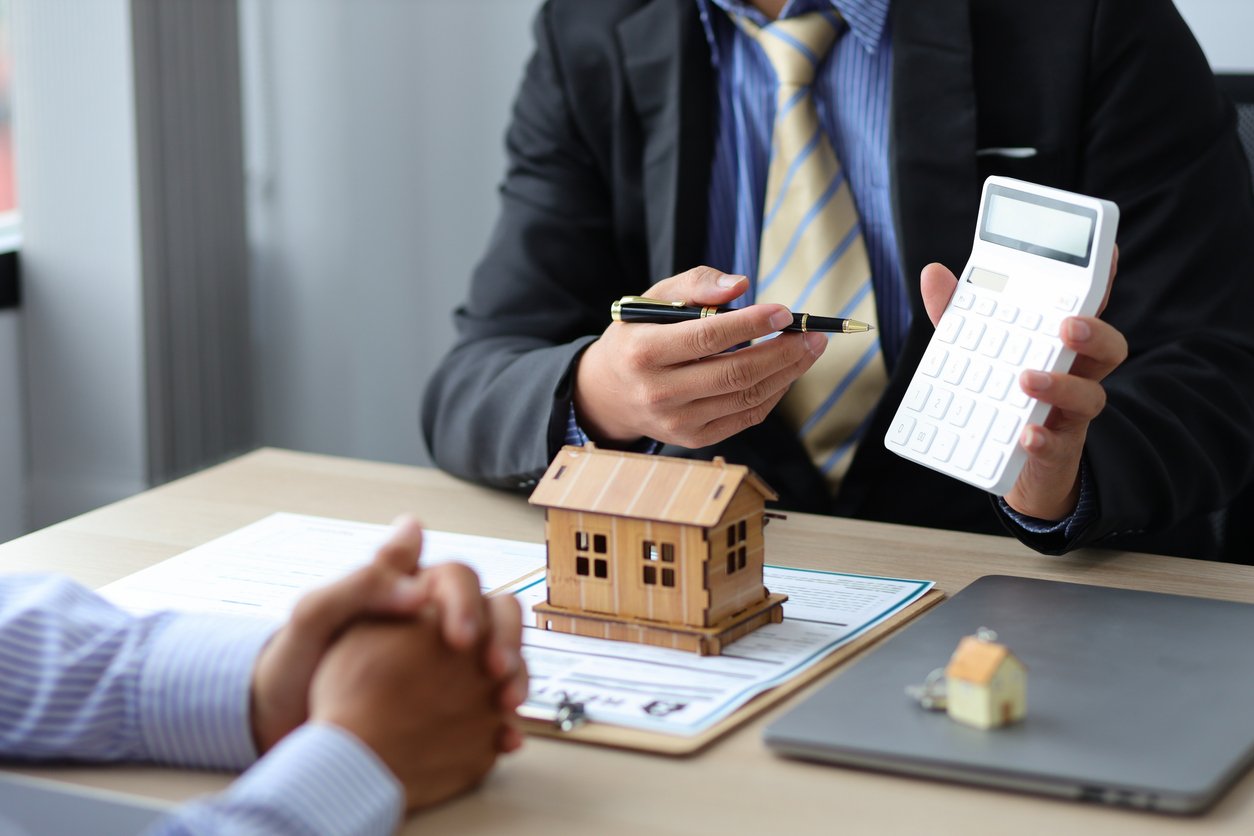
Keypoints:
(551, 787)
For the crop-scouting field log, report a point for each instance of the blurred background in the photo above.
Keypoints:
(235, 223)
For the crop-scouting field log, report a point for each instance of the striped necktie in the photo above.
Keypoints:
(811, 254)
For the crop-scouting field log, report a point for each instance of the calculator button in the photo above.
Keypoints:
(963, 298)
(921, 437)
(961, 411)
(1051, 325)
(916, 397)
(1016, 349)
(971, 438)
(934, 361)
(985, 306)
(1007, 313)
(950, 325)
(993, 341)
(1041, 353)
(1004, 427)
(955, 368)
(939, 403)
(899, 432)
(977, 376)
(999, 384)
(944, 446)
(1030, 320)
(987, 464)
(1066, 302)
(1017, 397)
(971, 334)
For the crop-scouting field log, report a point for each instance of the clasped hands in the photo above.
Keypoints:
(680, 384)
(416, 664)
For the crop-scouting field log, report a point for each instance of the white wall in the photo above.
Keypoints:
(81, 293)
(1225, 29)
(374, 136)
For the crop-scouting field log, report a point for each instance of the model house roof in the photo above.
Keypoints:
(656, 488)
(977, 660)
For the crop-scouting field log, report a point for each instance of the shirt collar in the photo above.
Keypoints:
(866, 18)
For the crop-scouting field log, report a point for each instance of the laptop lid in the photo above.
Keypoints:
(34, 807)
(1134, 698)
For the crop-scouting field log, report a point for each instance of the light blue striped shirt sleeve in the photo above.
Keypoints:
(80, 679)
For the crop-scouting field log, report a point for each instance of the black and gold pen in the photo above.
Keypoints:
(643, 309)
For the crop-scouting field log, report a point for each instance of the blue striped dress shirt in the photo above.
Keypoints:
(81, 679)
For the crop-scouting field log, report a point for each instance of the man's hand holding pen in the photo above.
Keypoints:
(677, 383)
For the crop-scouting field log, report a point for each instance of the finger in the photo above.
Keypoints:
(683, 342)
(728, 425)
(403, 548)
(505, 663)
(454, 589)
(699, 286)
(375, 589)
(937, 284)
(1099, 346)
(707, 410)
(1080, 399)
(510, 740)
(738, 371)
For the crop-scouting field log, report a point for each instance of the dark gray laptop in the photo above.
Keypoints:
(35, 807)
(1134, 698)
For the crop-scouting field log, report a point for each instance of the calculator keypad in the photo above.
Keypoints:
(965, 409)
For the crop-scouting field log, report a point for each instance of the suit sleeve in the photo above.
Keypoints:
(1176, 439)
(496, 410)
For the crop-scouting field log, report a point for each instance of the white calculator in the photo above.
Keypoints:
(1040, 255)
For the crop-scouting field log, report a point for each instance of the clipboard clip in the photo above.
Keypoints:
(569, 715)
(566, 714)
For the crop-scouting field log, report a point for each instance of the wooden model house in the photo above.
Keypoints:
(986, 684)
(653, 549)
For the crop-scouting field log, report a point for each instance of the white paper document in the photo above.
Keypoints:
(263, 568)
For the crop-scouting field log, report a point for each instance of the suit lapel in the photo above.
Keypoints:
(935, 191)
(667, 64)
(934, 176)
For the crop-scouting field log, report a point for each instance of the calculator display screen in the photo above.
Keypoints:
(1038, 225)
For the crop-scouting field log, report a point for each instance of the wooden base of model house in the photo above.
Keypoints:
(707, 641)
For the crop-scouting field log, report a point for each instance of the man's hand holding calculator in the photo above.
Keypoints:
(1012, 377)
(1049, 484)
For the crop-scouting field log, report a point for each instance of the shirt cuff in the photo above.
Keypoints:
(1048, 535)
(577, 437)
(320, 779)
(195, 691)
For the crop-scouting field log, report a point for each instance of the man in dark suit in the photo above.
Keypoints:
(624, 133)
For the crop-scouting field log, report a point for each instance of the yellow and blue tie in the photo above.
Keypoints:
(811, 253)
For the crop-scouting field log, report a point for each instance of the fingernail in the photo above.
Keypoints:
(1038, 381)
(780, 320)
(1078, 330)
(468, 630)
(729, 281)
(406, 593)
(1032, 439)
(816, 344)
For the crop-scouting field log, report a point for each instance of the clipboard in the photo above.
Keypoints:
(659, 743)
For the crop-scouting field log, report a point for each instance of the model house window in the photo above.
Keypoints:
(737, 534)
(590, 565)
(656, 557)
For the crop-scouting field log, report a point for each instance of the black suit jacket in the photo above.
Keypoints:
(606, 193)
